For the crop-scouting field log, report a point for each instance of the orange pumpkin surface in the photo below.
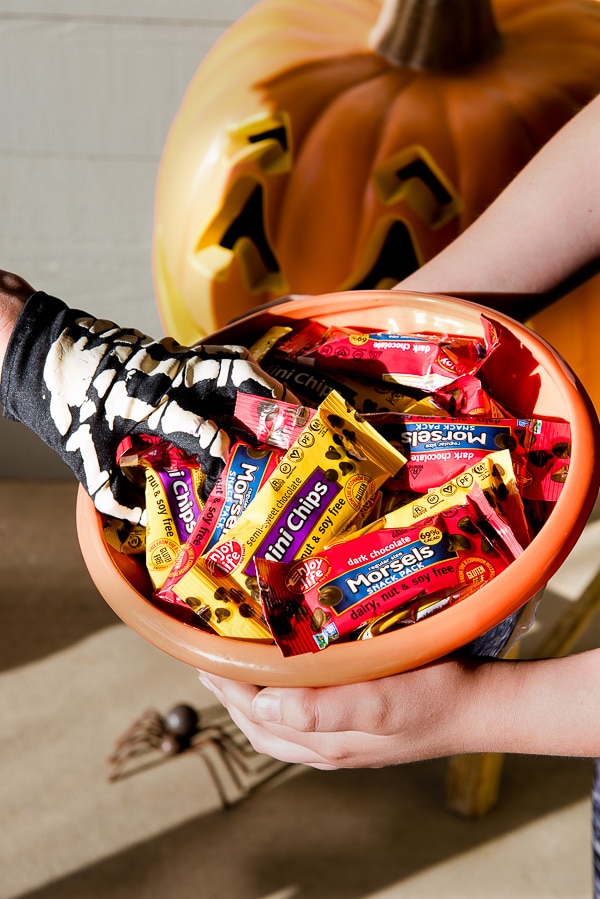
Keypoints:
(329, 146)
(572, 326)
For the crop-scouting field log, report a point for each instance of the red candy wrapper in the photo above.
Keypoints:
(272, 422)
(439, 449)
(467, 396)
(423, 361)
(311, 603)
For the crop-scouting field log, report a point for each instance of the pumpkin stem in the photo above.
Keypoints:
(439, 35)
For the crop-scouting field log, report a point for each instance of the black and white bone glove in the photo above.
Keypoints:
(83, 384)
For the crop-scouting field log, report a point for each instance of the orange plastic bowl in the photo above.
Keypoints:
(530, 378)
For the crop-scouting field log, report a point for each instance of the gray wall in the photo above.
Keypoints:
(88, 89)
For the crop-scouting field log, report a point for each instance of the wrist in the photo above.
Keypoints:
(14, 293)
(479, 706)
(531, 706)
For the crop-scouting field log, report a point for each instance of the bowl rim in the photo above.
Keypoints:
(406, 648)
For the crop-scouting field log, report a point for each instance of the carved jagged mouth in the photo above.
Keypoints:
(250, 224)
(239, 232)
(410, 178)
(396, 260)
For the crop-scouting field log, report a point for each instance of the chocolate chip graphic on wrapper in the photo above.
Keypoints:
(330, 595)
(562, 450)
(237, 596)
(465, 524)
(505, 441)
(539, 458)
(458, 542)
(318, 620)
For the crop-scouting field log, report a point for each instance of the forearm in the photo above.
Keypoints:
(451, 707)
(539, 232)
(544, 707)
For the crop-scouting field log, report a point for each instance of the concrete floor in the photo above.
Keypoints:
(73, 678)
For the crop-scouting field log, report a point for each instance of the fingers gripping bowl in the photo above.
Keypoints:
(529, 378)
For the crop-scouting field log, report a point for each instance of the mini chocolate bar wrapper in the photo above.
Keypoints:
(174, 486)
(335, 466)
(312, 603)
(248, 468)
(422, 361)
(494, 474)
(312, 385)
(245, 472)
(173, 507)
(271, 422)
(437, 449)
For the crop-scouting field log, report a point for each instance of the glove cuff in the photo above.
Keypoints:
(22, 385)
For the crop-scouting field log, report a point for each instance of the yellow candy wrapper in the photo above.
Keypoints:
(321, 483)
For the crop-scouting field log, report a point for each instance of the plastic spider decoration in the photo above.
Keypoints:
(234, 766)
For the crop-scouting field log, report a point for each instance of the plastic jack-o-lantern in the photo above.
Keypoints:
(331, 146)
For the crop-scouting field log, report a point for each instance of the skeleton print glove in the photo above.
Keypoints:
(83, 384)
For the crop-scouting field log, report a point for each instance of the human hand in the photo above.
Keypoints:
(83, 384)
(427, 713)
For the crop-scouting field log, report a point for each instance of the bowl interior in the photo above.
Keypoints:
(529, 378)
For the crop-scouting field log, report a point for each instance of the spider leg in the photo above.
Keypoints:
(211, 738)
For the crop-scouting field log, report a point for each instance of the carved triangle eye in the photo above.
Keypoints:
(264, 140)
(412, 176)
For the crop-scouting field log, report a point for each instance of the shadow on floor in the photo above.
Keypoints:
(324, 834)
(48, 599)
